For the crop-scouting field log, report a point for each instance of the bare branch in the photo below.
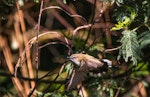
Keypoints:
(57, 7)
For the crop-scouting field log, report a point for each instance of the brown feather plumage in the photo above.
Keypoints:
(85, 64)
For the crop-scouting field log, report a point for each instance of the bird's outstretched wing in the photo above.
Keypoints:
(85, 63)
(76, 78)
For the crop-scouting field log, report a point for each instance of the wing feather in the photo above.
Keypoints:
(77, 78)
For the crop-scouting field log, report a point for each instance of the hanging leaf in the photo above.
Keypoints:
(130, 49)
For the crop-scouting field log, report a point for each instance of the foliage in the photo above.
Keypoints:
(105, 87)
(125, 21)
(130, 47)
(98, 47)
(141, 70)
(144, 39)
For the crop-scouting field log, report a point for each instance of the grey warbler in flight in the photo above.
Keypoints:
(84, 64)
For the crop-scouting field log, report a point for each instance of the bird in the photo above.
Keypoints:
(84, 64)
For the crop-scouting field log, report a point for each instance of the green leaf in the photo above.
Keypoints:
(69, 68)
(36, 1)
(98, 46)
(133, 13)
(144, 39)
(121, 25)
(130, 49)
(142, 69)
(126, 20)
(64, 1)
(146, 84)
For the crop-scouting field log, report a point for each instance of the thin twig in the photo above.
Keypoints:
(113, 49)
(71, 11)
(117, 93)
(92, 23)
(40, 47)
(37, 50)
(81, 27)
(62, 20)
(57, 7)
(37, 34)
(46, 90)
(42, 80)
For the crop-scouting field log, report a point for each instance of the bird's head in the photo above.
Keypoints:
(75, 58)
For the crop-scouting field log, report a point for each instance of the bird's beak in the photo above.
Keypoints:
(69, 58)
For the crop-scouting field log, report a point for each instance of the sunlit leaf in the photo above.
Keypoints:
(126, 20)
(130, 49)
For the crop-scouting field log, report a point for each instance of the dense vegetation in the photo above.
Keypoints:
(37, 36)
